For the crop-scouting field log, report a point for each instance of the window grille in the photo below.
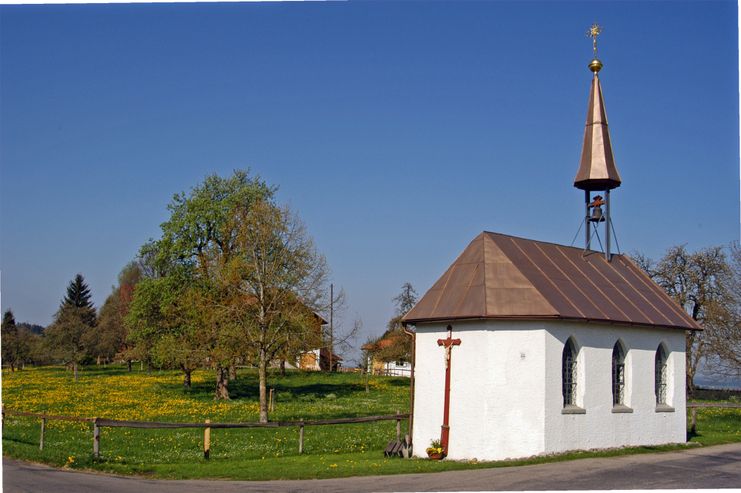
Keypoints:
(660, 374)
(568, 374)
(618, 375)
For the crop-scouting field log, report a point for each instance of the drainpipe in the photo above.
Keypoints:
(413, 335)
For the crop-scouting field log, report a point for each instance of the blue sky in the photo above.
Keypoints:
(397, 131)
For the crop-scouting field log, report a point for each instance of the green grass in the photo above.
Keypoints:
(247, 454)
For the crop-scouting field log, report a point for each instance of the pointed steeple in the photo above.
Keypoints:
(597, 170)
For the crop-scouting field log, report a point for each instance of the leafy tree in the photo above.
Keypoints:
(110, 339)
(702, 284)
(15, 342)
(69, 336)
(274, 286)
(166, 319)
(197, 240)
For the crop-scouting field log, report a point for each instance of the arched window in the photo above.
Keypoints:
(568, 373)
(618, 375)
(660, 375)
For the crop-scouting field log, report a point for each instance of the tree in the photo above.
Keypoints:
(394, 344)
(701, 283)
(406, 300)
(69, 335)
(197, 240)
(78, 296)
(725, 337)
(15, 342)
(274, 286)
(166, 319)
(110, 339)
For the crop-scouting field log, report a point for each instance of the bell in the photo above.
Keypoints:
(597, 216)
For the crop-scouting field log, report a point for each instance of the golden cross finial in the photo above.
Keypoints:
(593, 32)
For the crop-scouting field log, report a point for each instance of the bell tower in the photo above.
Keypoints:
(597, 171)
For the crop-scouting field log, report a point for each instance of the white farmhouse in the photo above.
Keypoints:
(525, 347)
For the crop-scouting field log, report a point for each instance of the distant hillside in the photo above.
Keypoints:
(36, 329)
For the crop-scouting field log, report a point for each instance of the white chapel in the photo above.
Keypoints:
(525, 347)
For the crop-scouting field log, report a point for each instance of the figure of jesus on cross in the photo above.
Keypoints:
(448, 345)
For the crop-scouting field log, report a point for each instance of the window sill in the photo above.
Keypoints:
(571, 409)
(621, 408)
(664, 408)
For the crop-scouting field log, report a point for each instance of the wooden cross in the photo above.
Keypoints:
(448, 345)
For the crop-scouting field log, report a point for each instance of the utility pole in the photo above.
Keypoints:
(331, 324)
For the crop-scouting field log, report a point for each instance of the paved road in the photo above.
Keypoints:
(708, 467)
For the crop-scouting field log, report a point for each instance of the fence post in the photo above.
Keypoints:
(398, 425)
(270, 401)
(207, 441)
(301, 437)
(693, 426)
(43, 429)
(96, 439)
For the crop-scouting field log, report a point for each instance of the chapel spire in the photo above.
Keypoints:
(597, 169)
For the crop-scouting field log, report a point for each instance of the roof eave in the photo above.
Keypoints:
(551, 318)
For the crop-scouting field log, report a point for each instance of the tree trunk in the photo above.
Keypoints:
(97, 360)
(128, 365)
(262, 371)
(283, 367)
(232, 372)
(690, 366)
(222, 383)
(74, 369)
(186, 377)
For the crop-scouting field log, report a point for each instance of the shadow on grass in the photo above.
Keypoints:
(18, 440)
(247, 389)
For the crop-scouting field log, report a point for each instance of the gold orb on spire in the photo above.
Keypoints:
(595, 30)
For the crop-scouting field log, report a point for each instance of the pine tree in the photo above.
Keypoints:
(9, 325)
(9, 337)
(78, 296)
(15, 342)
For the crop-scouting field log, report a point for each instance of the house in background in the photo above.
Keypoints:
(390, 354)
(318, 360)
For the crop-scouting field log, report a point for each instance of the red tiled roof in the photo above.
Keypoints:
(504, 277)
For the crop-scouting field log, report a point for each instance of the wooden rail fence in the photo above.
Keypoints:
(698, 405)
(99, 423)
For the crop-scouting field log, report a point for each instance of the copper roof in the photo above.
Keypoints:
(504, 277)
(597, 170)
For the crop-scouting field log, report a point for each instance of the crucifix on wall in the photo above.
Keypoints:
(448, 345)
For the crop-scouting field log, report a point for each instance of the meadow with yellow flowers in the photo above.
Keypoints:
(329, 451)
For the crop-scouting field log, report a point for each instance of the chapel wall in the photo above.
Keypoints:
(497, 389)
(600, 427)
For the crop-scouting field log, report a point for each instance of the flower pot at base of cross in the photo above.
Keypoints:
(435, 454)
